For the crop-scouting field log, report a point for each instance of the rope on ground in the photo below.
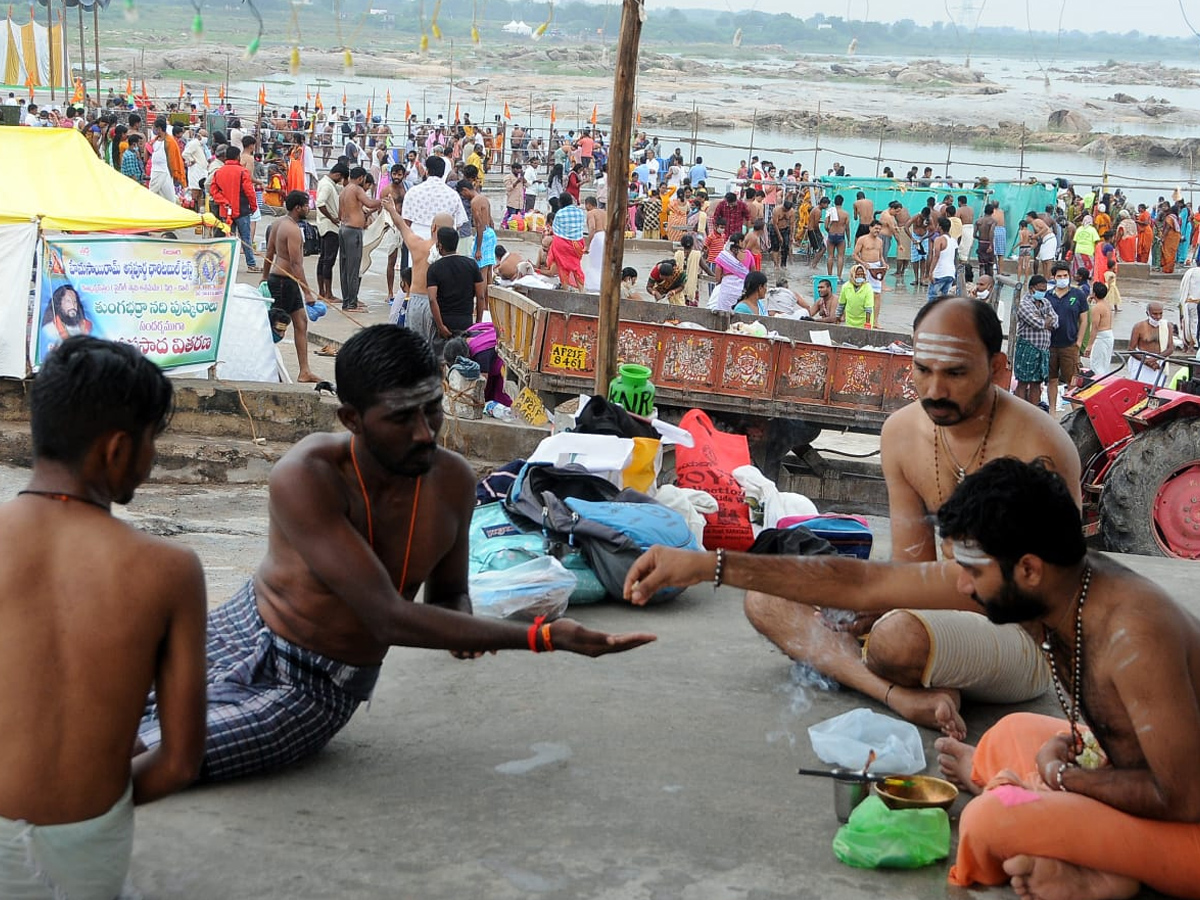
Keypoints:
(254, 438)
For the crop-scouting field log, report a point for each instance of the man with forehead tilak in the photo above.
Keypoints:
(359, 523)
(932, 647)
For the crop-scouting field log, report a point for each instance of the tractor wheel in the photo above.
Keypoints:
(1082, 433)
(1151, 498)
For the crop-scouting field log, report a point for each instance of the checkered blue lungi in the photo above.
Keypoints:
(270, 702)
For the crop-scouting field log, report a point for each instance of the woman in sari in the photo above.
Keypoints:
(732, 265)
(1170, 240)
(1145, 235)
(295, 170)
(1185, 233)
(1127, 237)
(677, 216)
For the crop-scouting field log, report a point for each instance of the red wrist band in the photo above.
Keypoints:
(533, 630)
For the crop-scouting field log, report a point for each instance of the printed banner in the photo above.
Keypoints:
(165, 297)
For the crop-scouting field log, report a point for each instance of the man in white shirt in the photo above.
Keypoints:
(433, 196)
(328, 214)
(652, 167)
(161, 182)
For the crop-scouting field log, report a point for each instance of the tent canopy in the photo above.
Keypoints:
(59, 180)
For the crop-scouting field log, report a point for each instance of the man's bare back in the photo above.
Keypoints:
(80, 637)
(319, 471)
(864, 211)
(508, 267)
(595, 223)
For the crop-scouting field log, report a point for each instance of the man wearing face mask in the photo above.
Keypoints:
(1071, 307)
(1152, 335)
(983, 290)
(1036, 318)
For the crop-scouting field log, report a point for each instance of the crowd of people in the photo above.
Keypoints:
(380, 510)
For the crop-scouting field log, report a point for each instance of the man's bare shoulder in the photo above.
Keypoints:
(902, 425)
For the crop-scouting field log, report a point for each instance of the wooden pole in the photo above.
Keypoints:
(879, 155)
(753, 122)
(50, 44)
(817, 147)
(695, 131)
(450, 97)
(82, 53)
(96, 48)
(483, 115)
(949, 145)
(1021, 174)
(227, 102)
(624, 82)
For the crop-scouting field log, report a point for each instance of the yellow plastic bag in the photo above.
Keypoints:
(642, 472)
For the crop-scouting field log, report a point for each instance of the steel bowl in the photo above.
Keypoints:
(916, 792)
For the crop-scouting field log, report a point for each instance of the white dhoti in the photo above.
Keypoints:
(968, 238)
(593, 264)
(86, 860)
(1102, 351)
(1048, 249)
(161, 184)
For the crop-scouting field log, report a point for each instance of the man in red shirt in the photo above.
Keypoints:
(234, 192)
(731, 215)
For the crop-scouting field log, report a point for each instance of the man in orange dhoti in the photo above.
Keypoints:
(1060, 813)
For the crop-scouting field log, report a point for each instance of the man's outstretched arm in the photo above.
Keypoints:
(854, 584)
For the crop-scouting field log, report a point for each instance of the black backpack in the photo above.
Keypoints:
(312, 238)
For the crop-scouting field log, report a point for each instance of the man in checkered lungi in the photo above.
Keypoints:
(359, 522)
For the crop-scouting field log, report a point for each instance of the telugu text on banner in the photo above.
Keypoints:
(165, 297)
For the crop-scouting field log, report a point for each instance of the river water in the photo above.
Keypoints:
(1143, 180)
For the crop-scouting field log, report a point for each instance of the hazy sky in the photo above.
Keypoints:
(1147, 16)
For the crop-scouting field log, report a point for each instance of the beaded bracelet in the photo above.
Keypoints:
(1058, 778)
(720, 570)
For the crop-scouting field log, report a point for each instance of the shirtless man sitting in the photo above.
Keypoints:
(1148, 340)
(283, 271)
(921, 659)
(824, 308)
(1095, 804)
(359, 523)
(81, 641)
(511, 265)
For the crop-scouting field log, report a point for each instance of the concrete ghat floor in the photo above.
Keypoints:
(664, 774)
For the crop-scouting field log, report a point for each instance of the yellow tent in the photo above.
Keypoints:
(57, 179)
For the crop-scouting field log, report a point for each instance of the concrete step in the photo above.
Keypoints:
(225, 409)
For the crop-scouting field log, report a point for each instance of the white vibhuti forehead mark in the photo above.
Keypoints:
(969, 553)
(945, 348)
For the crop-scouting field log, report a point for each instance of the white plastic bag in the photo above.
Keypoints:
(767, 503)
(847, 740)
(693, 505)
(540, 587)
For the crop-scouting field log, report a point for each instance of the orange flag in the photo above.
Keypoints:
(317, 103)
(553, 115)
(595, 114)
(262, 95)
(639, 118)
(388, 97)
(457, 117)
(407, 111)
(145, 96)
(221, 93)
(206, 103)
(307, 95)
(77, 97)
(345, 102)
(181, 90)
(368, 110)
(128, 87)
(507, 112)
(29, 84)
